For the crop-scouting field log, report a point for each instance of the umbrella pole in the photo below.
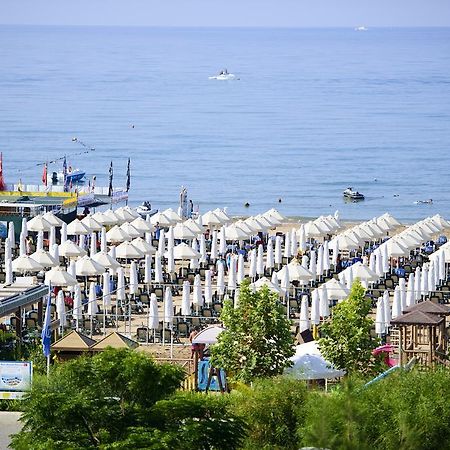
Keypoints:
(104, 315)
(171, 343)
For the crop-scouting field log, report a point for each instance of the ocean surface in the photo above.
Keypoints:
(313, 112)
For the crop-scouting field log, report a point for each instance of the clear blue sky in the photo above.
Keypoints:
(283, 13)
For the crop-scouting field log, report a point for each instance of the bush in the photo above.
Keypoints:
(273, 410)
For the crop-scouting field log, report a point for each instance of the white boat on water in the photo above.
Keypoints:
(361, 29)
(223, 75)
(146, 210)
(353, 195)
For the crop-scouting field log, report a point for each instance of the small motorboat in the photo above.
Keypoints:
(352, 194)
(223, 75)
(145, 209)
(361, 29)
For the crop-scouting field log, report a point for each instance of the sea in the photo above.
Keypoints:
(309, 113)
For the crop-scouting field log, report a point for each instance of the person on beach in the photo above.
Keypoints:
(157, 231)
(196, 348)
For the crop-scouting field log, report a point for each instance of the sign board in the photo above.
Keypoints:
(15, 378)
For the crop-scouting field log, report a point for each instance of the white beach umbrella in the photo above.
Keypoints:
(184, 252)
(11, 234)
(148, 269)
(69, 249)
(86, 267)
(203, 255)
(410, 296)
(402, 289)
(185, 299)
(287, 245)
(380, 326)
(38, 223)
(153, 315)
(319, 266)
(162, 242)
(260, 260)
(158, 269)
(252, 259)
(106, 291)
(208, 287)
(222, 242)
(22, 245)
(76, 228)
(58, 276)
(52, 237)
(117, 235)
(169, 255)
(266, 282)
(270, 261)
(417, 283)
(161, 219)
(364, 273)
(52, 219)
(54, 252)
(397, 304)
(197, 295)
(92, 301)
(61, 309)
(241, 269)
(82, 241)
(424, 281)
(114, 218)
(26, 264)
(315, 307)
(326, 257)
(294, 242)
(172, 215)
(210, 219)
(278, 254)
(313, 263)
(324, 304)
(142, 225)
(125, 215)
(395, 249)
(193, 226)
(168, 307)
(131, 231)
(143, 246)
(296, 272)
(379, 268)
(387, 311)
(234, 233)
(91, 223)
(103, 240)
(44, 258)
(120, 292)
(126, 250)
(220, 279)
(104, 219)
(336, 290)
(77, 305)
(182, 231)
(431, 277)
(214, 247)
(8, 270)
(232, 274)
(285, 281)
(304, 314)
(93, 244)
(40, 241)
(302, 238)
(275, 213)
(133, 286)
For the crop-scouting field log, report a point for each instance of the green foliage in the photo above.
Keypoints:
(9, 348)
(346, 339)
(122, 399)
(274, 410)
(403, 411)
(257, 341)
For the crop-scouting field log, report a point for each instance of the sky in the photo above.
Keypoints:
(225, 13)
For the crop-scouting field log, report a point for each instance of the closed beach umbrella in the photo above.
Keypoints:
(220, 279)
(285, 281)
(153, 315)
(77, 304)
(72, 269)
(103, 240)
(106, 291)
(86, 267)
(294, 242)
(302, 238)
(38, 223)
(319, 267)
(82, 241)
(274, 280)
(8, 270)
(120, 293)
(222, 242)
(69, 249)
(22, 245)
(410, 296)
(170, 259)
(26, 264)
(324, 306)
(252, 269)
(424, 281)
(287, 245)
(194, 264)
(260, 261)
(158, 269)
(162, 242)
(305, 261)
(168, 307)
(61, 309)
(58, 276)
(326, 257)
(203, 255)
(40, 241)
(214, 248)
(315, 307)
(134, 282)
(278, 254)
(54, 252)
(304, 314)
(387, 311)
(148, 269)
(241, 269)
(380, 327)
(52, 236)
(313, 264)
(208, 287)
(431, 277)
(11, 234)
(197, 296)
(93, 245)
(185, 299)
(126, 250)
(396, 304)
(270, 261)
(116, 235)
(417, 283)
(402, 289)
(92, 301)
(232, 274)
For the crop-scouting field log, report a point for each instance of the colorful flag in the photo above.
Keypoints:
(2, 181)
(128, 175)
(44, 175)
(46, 334)
(110, 188)
(65, 173)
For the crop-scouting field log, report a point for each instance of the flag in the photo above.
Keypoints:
(2, 181)
(110, 188)
(44, 175)
(65, 173)
(46, 334)
(128, 175)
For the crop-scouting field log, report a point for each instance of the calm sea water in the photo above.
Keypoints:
(313, 111)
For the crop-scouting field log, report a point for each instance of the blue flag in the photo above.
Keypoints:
(46, 335)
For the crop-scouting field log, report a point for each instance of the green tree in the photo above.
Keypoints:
(346, 339)
(121, 399)
(257, 340)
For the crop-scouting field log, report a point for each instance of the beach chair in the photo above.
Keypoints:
(142, 334)
(182, 329)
